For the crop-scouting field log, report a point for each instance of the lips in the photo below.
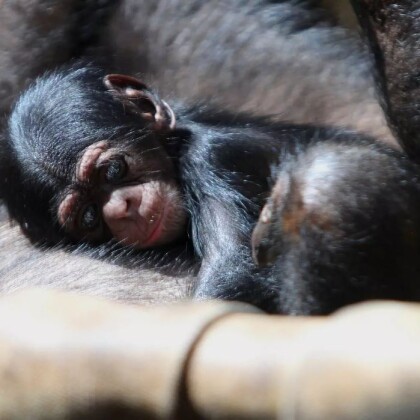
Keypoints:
(156, 228)
(145, 215)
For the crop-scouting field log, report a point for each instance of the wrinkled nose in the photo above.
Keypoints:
(120, 204)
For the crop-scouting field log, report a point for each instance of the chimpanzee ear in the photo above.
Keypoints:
(147, 103)
(125, 85)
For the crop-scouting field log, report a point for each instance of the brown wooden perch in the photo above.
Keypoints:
(67, 356)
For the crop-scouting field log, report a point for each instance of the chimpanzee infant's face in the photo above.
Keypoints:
(90, 156)
(127, 192)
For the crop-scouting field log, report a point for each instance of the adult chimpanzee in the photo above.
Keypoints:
(94, 156)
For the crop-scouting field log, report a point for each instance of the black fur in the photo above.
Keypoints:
(226, 160)
(223, 165)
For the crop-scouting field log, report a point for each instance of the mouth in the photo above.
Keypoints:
(157, 228)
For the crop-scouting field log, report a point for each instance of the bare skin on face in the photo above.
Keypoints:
(88, 161)
(107, 196)
(145, 215)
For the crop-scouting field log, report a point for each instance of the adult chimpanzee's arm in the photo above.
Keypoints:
(393, 31)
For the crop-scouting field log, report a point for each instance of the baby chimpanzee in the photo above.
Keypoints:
(91, 157)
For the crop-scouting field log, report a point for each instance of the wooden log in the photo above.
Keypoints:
(68, 356)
